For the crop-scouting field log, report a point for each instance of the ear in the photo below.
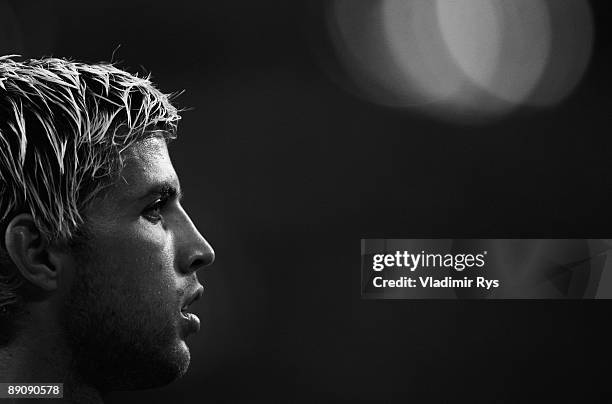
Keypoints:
(29, 250)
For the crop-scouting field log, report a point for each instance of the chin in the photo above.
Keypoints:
(163, 366)
(181, 360)
(146, 371)
(112, 356)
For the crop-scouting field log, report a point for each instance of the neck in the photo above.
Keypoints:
(39, 356)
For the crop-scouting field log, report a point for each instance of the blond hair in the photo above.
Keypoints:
(63, 127)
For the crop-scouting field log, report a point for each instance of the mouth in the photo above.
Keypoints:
(191, 321)
(191, 299)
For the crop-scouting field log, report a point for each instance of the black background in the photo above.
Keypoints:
(284, 172)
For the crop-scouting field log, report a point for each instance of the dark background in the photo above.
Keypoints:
(285, 171)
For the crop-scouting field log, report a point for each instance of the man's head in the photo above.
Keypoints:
(95, 244)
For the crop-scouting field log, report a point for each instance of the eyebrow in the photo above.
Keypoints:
(164, 190)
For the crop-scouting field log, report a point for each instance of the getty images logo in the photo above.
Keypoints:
(411, 261)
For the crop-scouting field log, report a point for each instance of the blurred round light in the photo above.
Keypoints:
(476, 57)
(429, 70)
(571, 46)
(472, 32)
(502, 46)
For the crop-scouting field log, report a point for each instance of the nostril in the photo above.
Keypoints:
(202, 260)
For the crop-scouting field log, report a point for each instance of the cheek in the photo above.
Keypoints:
(140, 260)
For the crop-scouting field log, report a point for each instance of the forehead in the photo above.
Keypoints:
(146, 164)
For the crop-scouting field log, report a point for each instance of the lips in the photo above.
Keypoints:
(192, 298)
(191, 321)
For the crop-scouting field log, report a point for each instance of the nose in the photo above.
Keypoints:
(196, 251)
(203, 256)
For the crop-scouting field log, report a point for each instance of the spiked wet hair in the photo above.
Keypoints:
(63, 127)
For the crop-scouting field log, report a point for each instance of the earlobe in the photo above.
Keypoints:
(28, 248)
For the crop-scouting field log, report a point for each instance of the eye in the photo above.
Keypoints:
(153, 212)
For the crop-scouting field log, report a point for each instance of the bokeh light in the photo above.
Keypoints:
(463, 59)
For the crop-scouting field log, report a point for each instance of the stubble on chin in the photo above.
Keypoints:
(119, 342)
